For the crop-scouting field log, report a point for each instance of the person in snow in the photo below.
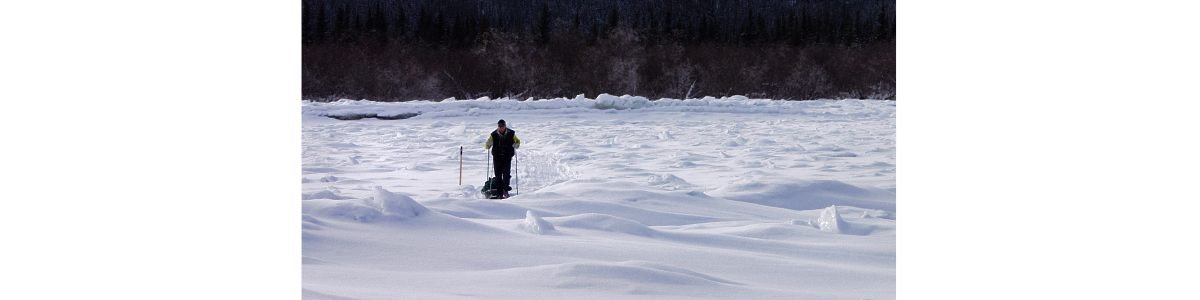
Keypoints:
(503, 142)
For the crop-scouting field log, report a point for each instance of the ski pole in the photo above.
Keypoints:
(517, 164)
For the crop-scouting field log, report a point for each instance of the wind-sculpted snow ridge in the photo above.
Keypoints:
(383, 204)
(806, 195)
(606, 223)
(346, 109)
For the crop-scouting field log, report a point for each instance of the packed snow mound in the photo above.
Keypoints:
(397, 204)
(806, 195)
(535, 224)
(462, 191)
(831, 221)
(346, 109)
(666, 179)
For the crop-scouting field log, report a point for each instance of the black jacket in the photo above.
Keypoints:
(503, 145)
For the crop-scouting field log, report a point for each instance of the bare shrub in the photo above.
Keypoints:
(807, 82)
(666, 73)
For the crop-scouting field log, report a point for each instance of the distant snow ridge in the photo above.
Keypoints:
(535, 224)
(346, 109)
(831, 221)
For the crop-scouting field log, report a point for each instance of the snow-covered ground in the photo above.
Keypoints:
(618, 197)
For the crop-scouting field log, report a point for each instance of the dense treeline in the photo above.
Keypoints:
(432, 49)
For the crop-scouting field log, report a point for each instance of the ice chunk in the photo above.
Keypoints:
(535, 224)
(830, 220)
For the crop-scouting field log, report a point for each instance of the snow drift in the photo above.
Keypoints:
(383, 204)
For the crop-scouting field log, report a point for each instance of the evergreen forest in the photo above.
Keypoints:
(399, 50)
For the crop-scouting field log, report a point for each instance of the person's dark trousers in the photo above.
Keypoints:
(503, 165)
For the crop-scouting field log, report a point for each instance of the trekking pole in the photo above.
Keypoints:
(517, 165)
(460, 153)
